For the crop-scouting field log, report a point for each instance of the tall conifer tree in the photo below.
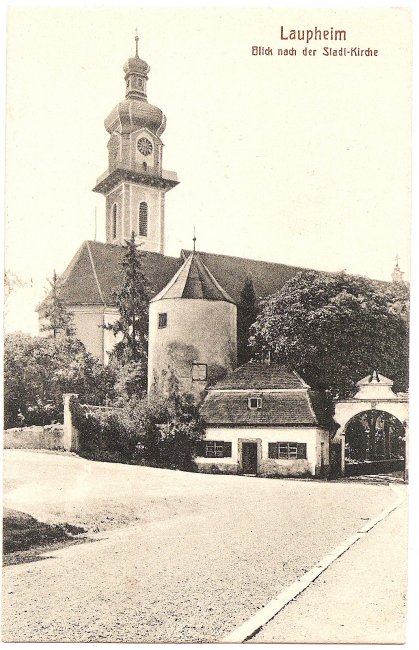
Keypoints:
(132, 299)
(55, 319)
(247, 311)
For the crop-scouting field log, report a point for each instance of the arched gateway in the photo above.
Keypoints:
(384, 415)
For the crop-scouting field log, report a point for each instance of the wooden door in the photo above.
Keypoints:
(249, 457)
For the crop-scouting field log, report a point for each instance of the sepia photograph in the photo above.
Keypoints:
(207, 250)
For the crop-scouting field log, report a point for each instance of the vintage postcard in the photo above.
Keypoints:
(206, 354)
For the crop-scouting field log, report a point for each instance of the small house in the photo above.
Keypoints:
(264, 420)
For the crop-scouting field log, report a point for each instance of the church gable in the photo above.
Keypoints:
(95, 272)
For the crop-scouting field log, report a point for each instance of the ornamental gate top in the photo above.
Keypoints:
(376, 387)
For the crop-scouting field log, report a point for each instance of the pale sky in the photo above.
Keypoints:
(298, 160)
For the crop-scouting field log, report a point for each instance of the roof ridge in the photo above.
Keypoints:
(171, 282)
(186, 251)
(217, 284)
(311, 407)
(94, 272)
(300, 379)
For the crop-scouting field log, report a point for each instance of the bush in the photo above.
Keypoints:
(102, 433)
(157, 432)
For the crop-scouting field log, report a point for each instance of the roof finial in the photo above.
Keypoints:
(397, 275)
(136, 42)
(194, 239)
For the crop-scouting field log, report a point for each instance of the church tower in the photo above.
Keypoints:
(135, 182)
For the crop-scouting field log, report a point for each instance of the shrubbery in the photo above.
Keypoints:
(156, 432)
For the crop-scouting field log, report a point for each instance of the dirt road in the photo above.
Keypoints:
(205, 554)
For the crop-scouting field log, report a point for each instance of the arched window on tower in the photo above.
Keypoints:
(143, 219)
(114, 220)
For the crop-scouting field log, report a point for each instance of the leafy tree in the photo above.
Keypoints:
(55, 319)
(131, 379)
(38, 370)
(247, 311)
(336, 328)
(132, 299)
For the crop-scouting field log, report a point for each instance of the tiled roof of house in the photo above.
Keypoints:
(259, 376)
(293, 407)
(194, 282)
(95, 271)
(286, 399)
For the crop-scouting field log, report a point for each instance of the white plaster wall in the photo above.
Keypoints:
(87, 322)
(308, 435)
(152, 196)
(204, 331)
(109, 339)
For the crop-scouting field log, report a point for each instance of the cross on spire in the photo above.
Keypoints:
(397, 260)
(136, 42)
(194, 239)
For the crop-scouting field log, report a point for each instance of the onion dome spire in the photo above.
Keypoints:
(136, 71)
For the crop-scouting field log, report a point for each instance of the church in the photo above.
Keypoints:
(261, 418)
(134, 186)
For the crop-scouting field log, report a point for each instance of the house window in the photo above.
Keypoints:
(287, 450)
(199, 371)
(214, 449)
(114, 220)
(162, 320)
(254, 403)
(143, 219)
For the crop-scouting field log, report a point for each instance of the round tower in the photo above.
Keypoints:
(192, 332)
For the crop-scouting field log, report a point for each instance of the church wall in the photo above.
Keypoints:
(88, 321)
(203, 331)
(311, 436)
(111, 314)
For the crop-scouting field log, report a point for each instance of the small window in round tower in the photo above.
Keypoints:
(114, 220)
(143, 219)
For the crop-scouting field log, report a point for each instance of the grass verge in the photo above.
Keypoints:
(25, 537)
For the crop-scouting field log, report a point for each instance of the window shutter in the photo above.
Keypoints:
(273, 450)
(200, 448)
(227, 449)
(301, 450)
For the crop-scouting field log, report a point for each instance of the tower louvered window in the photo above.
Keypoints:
(143, 219)
(114, 220)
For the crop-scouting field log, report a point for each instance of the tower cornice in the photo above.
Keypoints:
(111, 178)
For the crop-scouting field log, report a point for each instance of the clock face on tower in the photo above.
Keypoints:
(144, 146)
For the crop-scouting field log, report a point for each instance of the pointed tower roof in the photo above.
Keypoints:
(195, 282)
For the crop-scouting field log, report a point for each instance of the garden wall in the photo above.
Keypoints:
(48, 437)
